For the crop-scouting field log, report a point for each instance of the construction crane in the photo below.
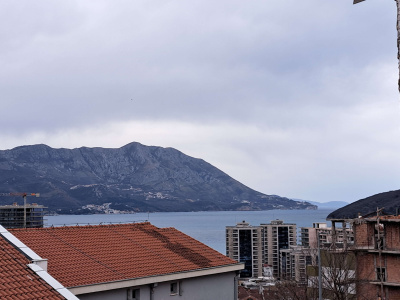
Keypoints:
(23, 195)
(398, 33)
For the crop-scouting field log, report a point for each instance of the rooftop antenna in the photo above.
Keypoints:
(398, 34)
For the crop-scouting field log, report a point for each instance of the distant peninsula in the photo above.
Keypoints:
(133, 178)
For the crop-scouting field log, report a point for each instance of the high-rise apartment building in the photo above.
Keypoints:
(259, 245)
(277, 236)
(244, 244)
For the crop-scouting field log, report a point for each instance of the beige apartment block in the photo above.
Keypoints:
(258, 245)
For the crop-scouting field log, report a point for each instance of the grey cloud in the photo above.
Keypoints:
(311, 77)
(88, 60)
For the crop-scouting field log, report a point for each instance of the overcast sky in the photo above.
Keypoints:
(294, 98)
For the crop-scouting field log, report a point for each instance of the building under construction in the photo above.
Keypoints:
(22, 216)
(377, 248)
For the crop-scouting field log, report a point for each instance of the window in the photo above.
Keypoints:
(381, 274)
(308, 260)
(133, 294)
(174, 288)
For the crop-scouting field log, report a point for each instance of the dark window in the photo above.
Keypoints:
(283, 236)
(245, 252)
(133, 294)
(174, 288)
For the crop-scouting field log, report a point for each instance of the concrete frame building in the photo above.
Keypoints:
(377, 250)
(327, 235)
(20, 216)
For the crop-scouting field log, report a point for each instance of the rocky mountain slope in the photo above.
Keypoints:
(390, 201)
(132, 178)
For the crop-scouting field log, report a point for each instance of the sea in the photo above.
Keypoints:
(207, 227)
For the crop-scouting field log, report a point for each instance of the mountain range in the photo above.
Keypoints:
(132, 178)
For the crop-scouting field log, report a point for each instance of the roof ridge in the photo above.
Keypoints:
(80, 225)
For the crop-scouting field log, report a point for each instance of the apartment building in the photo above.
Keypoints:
(244, 244)
(258, 245)
(277, 236)
(293, 263)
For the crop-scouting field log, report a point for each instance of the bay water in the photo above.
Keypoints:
(207, 227)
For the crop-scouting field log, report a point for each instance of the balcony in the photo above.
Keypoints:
(375, 250)
(386, 283)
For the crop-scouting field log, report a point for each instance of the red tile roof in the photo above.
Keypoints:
(84, 255)
(17, 280)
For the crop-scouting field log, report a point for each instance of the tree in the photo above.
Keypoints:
(338, 278)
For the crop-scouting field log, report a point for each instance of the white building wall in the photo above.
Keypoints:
(108, 295)
(220, 286)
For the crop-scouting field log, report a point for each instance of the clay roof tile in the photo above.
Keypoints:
(17, 280)
(116, 252)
